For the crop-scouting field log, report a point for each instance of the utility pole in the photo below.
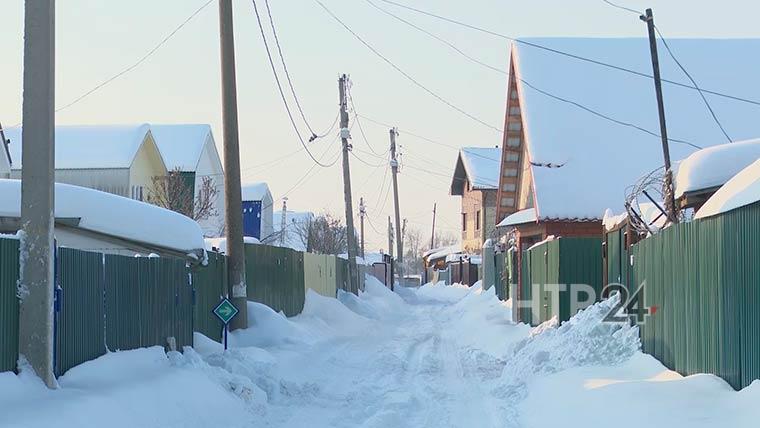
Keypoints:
(283, 221)
(390, 237)
(432, 235)
(394, 168)
(670, 203)
(232, 188)
(362, 213)
(345, 135)
(37, 190)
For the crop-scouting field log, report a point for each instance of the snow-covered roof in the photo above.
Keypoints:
(444, 252)
(743, 189)
(479, 166)
(256, 192)
(113, 215)
(93, 146)
(713, 166)
(520, 217)
(181, 145)
(601, 158)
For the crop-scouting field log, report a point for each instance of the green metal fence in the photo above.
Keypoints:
(8, 304)
(275, 277)
(563, 263)
(210, 285)
(79, 317)
(703, 279)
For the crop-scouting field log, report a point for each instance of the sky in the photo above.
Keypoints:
(180, 83)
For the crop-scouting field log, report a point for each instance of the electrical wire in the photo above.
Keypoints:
(404, 73)
(314, 135)
(356, 119)
(623, 7)
(701, 94)
(365, 162)
(279, 87)
(567, 54)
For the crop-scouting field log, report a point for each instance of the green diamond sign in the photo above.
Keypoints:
(225, 311)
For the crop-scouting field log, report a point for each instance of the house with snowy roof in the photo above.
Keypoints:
(92, 220)
(476, 180)
(257, 211)
(578, 133)
(118, 159)
(190, 150)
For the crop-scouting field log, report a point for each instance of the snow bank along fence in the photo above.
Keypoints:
(704, 279)
(563, 262)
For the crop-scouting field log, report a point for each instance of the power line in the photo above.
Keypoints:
(637, 12)
(405, 74)
(314, 135)
(701, 94)
(356, 119)
(365, 162)
(567, 54)
(603, 116)
(279, 87)
(139, 61)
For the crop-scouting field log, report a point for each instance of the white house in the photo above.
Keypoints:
(92, 220)
(257, 211)
(118, 159)
(191, 149)
(286, 232)
(5, 157)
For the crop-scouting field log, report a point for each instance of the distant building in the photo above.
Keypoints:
(191, 149)
(257, 211)
(5, 157)
(289, 236)
(476, 180)
(118, 159)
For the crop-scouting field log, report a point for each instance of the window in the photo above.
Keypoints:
(510, 172)
(513, 94)
(464, 222)
(514, 111)
(477, 220)
(507, 202)
(513, 141)
(513, 157)
(514, 126)
(137, 193)
(509, 187)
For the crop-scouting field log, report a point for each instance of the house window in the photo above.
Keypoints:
(510, 172)
(513, 141)
(514, 126)
(509, 187)
(514, 111)
(137, 193)
(513, 157)
(477, 220)
(464, 222)
(513, 95)
(507, 202)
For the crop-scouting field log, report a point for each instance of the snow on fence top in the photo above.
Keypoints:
(743, 189)
(600, 158)
(482, 166)
(82, 147)
(715, 165)
(520, 217)
(181, 145)
(256, 191)
(113, 215)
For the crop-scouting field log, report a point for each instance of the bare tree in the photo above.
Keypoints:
(176, 191)
(413, 244)
(323, 234)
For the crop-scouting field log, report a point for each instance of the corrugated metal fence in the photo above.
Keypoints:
(8, 304)
(275, 277)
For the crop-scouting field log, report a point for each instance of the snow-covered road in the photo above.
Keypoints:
(432, 357)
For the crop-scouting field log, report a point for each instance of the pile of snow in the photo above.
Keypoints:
(328, 314)
(743, 189)
(440, 292)
(376, 301)
(612, 221)
(113, 215)
(714, 166)
(220, 244)
(268, 328)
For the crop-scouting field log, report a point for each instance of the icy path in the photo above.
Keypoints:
(433, 357)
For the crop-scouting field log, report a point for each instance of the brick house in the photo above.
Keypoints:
(476, 180)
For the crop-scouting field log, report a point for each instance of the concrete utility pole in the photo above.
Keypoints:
(37, 190)
(432, 235)
(232, 188)
(399, 236)
(345, 135)
(283, 221)
(670, 203)
(362, 214)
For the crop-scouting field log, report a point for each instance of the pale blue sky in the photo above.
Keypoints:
(180, 83)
